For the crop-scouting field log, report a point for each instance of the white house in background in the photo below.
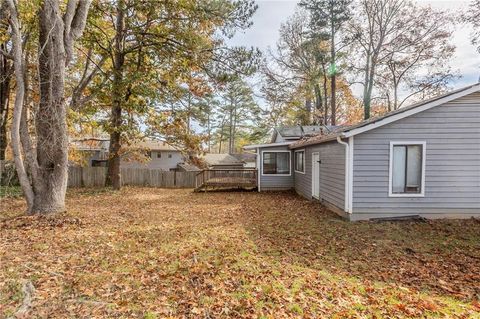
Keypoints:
(159, 154)
(421, 160)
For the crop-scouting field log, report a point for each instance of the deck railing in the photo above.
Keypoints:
(227, 177)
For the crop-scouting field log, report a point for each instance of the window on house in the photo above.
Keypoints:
(276, 163)
(148, 154)
(169, 155)
(159, 154)
(300, 161)
(407, 168)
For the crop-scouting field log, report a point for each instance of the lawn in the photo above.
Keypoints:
(155, 253)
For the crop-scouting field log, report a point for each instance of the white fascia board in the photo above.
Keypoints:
(255, 146)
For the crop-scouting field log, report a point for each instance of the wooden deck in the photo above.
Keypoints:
(226, 178)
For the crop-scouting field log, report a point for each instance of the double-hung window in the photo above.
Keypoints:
(407, 169)
(276, 163)
(300, 161)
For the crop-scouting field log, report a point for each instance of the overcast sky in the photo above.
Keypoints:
(271, 13)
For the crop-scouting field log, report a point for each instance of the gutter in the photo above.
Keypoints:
(348, 180)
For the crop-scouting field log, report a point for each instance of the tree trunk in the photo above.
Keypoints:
(333, 82)
(51, 117)
(45, 187)
(209, 128)
(114, 174)
(318, 105)
(308, 107)
(230, 129)
(325, 95)
(5, 77)
(333, 101)
(234, 130)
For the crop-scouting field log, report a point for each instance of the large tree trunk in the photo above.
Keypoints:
(51, 117)
(114, 177)
(45, 185)
(5, 77)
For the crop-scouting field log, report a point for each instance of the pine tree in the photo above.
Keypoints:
(326, 20)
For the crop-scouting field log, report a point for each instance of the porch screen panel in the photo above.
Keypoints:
(269, 163)
(398, 169)
(276, 163)
(414, 168)
(283, 163)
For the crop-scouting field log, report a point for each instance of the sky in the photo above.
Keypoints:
(271, 13)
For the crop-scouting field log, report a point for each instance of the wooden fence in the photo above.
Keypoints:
(95, 177)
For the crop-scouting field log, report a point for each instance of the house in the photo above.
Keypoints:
(186, 167)
(159, 155)
(222, 161)
(249, 159)
(94, 150)
(422, 160)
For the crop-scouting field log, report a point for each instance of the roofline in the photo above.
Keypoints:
(307, 143)
(254, 146)
(395, 117)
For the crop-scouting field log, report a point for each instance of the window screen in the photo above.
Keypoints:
(276, 163)
(300, 161)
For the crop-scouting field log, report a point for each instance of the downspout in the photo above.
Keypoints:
(258, 170)
(347, 174)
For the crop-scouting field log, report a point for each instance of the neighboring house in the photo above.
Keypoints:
(93, 149)
(185, 167)
(162, 156)
(222, 161)
(159, 154)
(422, 160)
(249, 159)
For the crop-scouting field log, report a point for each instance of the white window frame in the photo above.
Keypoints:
(295, 161)
(390, 169)
(277, 151)
(313, 179)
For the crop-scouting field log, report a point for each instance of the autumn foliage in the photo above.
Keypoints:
(146, 253)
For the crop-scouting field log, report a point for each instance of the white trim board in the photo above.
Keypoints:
(252, 147)
(257, 160)
(313, 179)
(295, 161)
(278, 151)
(390, 169)
(351, 147)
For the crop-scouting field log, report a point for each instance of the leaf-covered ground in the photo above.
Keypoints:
(155, 253)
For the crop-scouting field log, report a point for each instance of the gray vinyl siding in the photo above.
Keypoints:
(164, 162)
(273, 182)
(452, 170)
(332, 173)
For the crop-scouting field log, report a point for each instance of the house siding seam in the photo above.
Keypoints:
(272, 182)
(332, 173)
(452, 173)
